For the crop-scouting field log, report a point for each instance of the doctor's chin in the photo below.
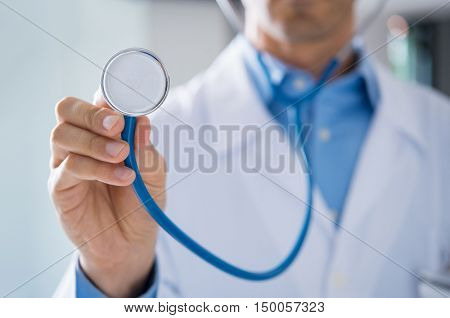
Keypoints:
(295, 150)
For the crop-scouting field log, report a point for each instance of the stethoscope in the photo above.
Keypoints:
(135, 83)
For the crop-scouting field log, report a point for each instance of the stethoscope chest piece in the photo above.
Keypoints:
(135, 82)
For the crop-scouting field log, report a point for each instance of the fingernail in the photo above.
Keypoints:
(123, 173)
(114, 148)
(109, 121)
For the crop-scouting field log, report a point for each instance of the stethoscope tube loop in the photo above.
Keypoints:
(184, 239)
(179, 235)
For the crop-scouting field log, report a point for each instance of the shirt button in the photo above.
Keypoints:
(324, 134)
(333, 216)
(276, 76)
(299, 84)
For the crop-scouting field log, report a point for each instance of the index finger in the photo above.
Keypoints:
(100, 120)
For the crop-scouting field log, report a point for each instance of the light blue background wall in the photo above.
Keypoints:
(36, 71)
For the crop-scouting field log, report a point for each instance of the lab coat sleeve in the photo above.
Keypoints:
(169, 284)
(66, 288)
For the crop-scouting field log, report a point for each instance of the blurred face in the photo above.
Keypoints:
(299, 20)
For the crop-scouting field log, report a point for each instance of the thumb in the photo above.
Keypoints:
(150, 162)
(142, 133)
(152, 165)
(99, 100)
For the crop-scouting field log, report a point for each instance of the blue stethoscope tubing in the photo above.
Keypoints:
(184, 239)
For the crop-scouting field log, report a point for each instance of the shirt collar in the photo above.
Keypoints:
(278, 71)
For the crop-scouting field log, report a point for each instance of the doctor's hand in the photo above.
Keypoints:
(91, 190)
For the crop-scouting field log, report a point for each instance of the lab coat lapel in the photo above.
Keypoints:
(381, 190)
(279, 195)
(241, 106)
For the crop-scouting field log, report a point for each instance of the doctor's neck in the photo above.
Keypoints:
(311, 54)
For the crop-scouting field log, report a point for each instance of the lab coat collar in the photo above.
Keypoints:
(229, 77)
(279, 70)
(240, 103)
(398, 107)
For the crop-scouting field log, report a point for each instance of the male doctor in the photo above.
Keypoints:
(379, 153)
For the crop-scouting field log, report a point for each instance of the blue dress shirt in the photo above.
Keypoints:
(86, 289)
(339, 118)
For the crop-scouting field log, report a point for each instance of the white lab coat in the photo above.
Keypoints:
(396, 221)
